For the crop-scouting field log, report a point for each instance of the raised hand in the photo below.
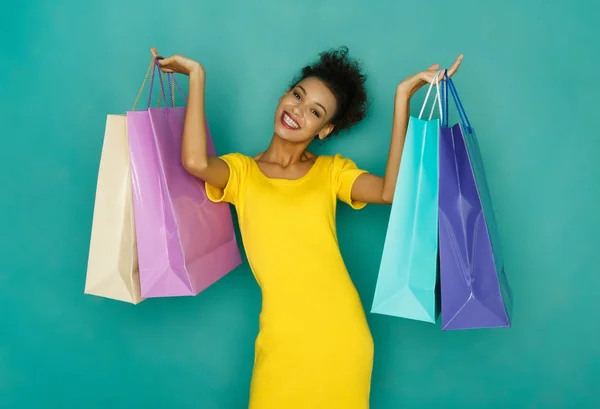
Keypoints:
(177, 63)
(413, 83)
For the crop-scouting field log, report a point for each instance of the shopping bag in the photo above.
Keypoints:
(185, 242)
(474, 288)
(407, 279)
(112, 270)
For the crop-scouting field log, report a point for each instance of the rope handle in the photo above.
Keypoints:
(437, 100)
(150, 72)
(459, 106)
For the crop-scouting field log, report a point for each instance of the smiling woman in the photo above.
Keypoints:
(314, 349)
(302, 111)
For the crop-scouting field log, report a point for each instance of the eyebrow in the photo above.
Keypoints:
(304, 91)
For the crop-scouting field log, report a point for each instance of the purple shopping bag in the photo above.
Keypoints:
(185, 242)
(474, 288)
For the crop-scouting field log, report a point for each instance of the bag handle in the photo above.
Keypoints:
(436, 99)
(150, 72)
(139, 94)
(172, 81)
(445, 98)
(170, 77)
(459, 106)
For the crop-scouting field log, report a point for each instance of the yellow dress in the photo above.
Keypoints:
(314, 349)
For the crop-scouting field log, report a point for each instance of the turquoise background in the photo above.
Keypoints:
(529, 84)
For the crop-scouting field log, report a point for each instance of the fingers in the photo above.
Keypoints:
(435, 75)
(450, 71)
(455, 66)
(439, 76)
(163, 63)
(156, 55)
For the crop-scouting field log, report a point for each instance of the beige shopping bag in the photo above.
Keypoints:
(112, 270)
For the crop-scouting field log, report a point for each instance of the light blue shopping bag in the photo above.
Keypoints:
(408, 275)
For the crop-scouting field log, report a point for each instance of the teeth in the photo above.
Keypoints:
(290, 121)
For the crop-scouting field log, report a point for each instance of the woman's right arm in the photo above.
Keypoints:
(194, 153)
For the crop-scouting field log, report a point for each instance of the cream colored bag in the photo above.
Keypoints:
(112, 264)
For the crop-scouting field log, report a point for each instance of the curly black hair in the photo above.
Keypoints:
(343, 76)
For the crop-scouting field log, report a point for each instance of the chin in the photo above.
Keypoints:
(283, 133)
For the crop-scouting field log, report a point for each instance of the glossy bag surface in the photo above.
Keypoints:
(407, 278)
(474, 288)
(185, 242)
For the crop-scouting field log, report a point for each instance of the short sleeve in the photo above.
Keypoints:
(238, 169)
(345, 173)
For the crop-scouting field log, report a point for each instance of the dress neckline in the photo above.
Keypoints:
(287, 181)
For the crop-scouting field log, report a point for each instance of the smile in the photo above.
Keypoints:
(288, 121)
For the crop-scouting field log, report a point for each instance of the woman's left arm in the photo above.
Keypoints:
(370, 188)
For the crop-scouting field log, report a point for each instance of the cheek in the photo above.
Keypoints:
(312, 124)
(287, 100)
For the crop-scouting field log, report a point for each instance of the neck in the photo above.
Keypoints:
(284, 152)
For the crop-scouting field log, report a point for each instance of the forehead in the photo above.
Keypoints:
(317, 91)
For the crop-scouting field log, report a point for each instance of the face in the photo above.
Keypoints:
(305, 111)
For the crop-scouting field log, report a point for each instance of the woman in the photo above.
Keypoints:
(314, 349)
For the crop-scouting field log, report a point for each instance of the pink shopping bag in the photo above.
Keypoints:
(185, 242)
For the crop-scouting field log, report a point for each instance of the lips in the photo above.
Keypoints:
(289, 122)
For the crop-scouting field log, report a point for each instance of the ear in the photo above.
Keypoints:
(325, 131)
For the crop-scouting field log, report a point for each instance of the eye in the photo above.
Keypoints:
(315, 113)
(297, 95)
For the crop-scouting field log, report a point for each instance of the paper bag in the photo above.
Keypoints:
(474, 288)
(112, 270)
(185, 242)
(407, 279)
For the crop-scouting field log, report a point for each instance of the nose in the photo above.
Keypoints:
(296, 110)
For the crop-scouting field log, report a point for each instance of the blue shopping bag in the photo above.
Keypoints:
(407, 280)
(475, 292)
